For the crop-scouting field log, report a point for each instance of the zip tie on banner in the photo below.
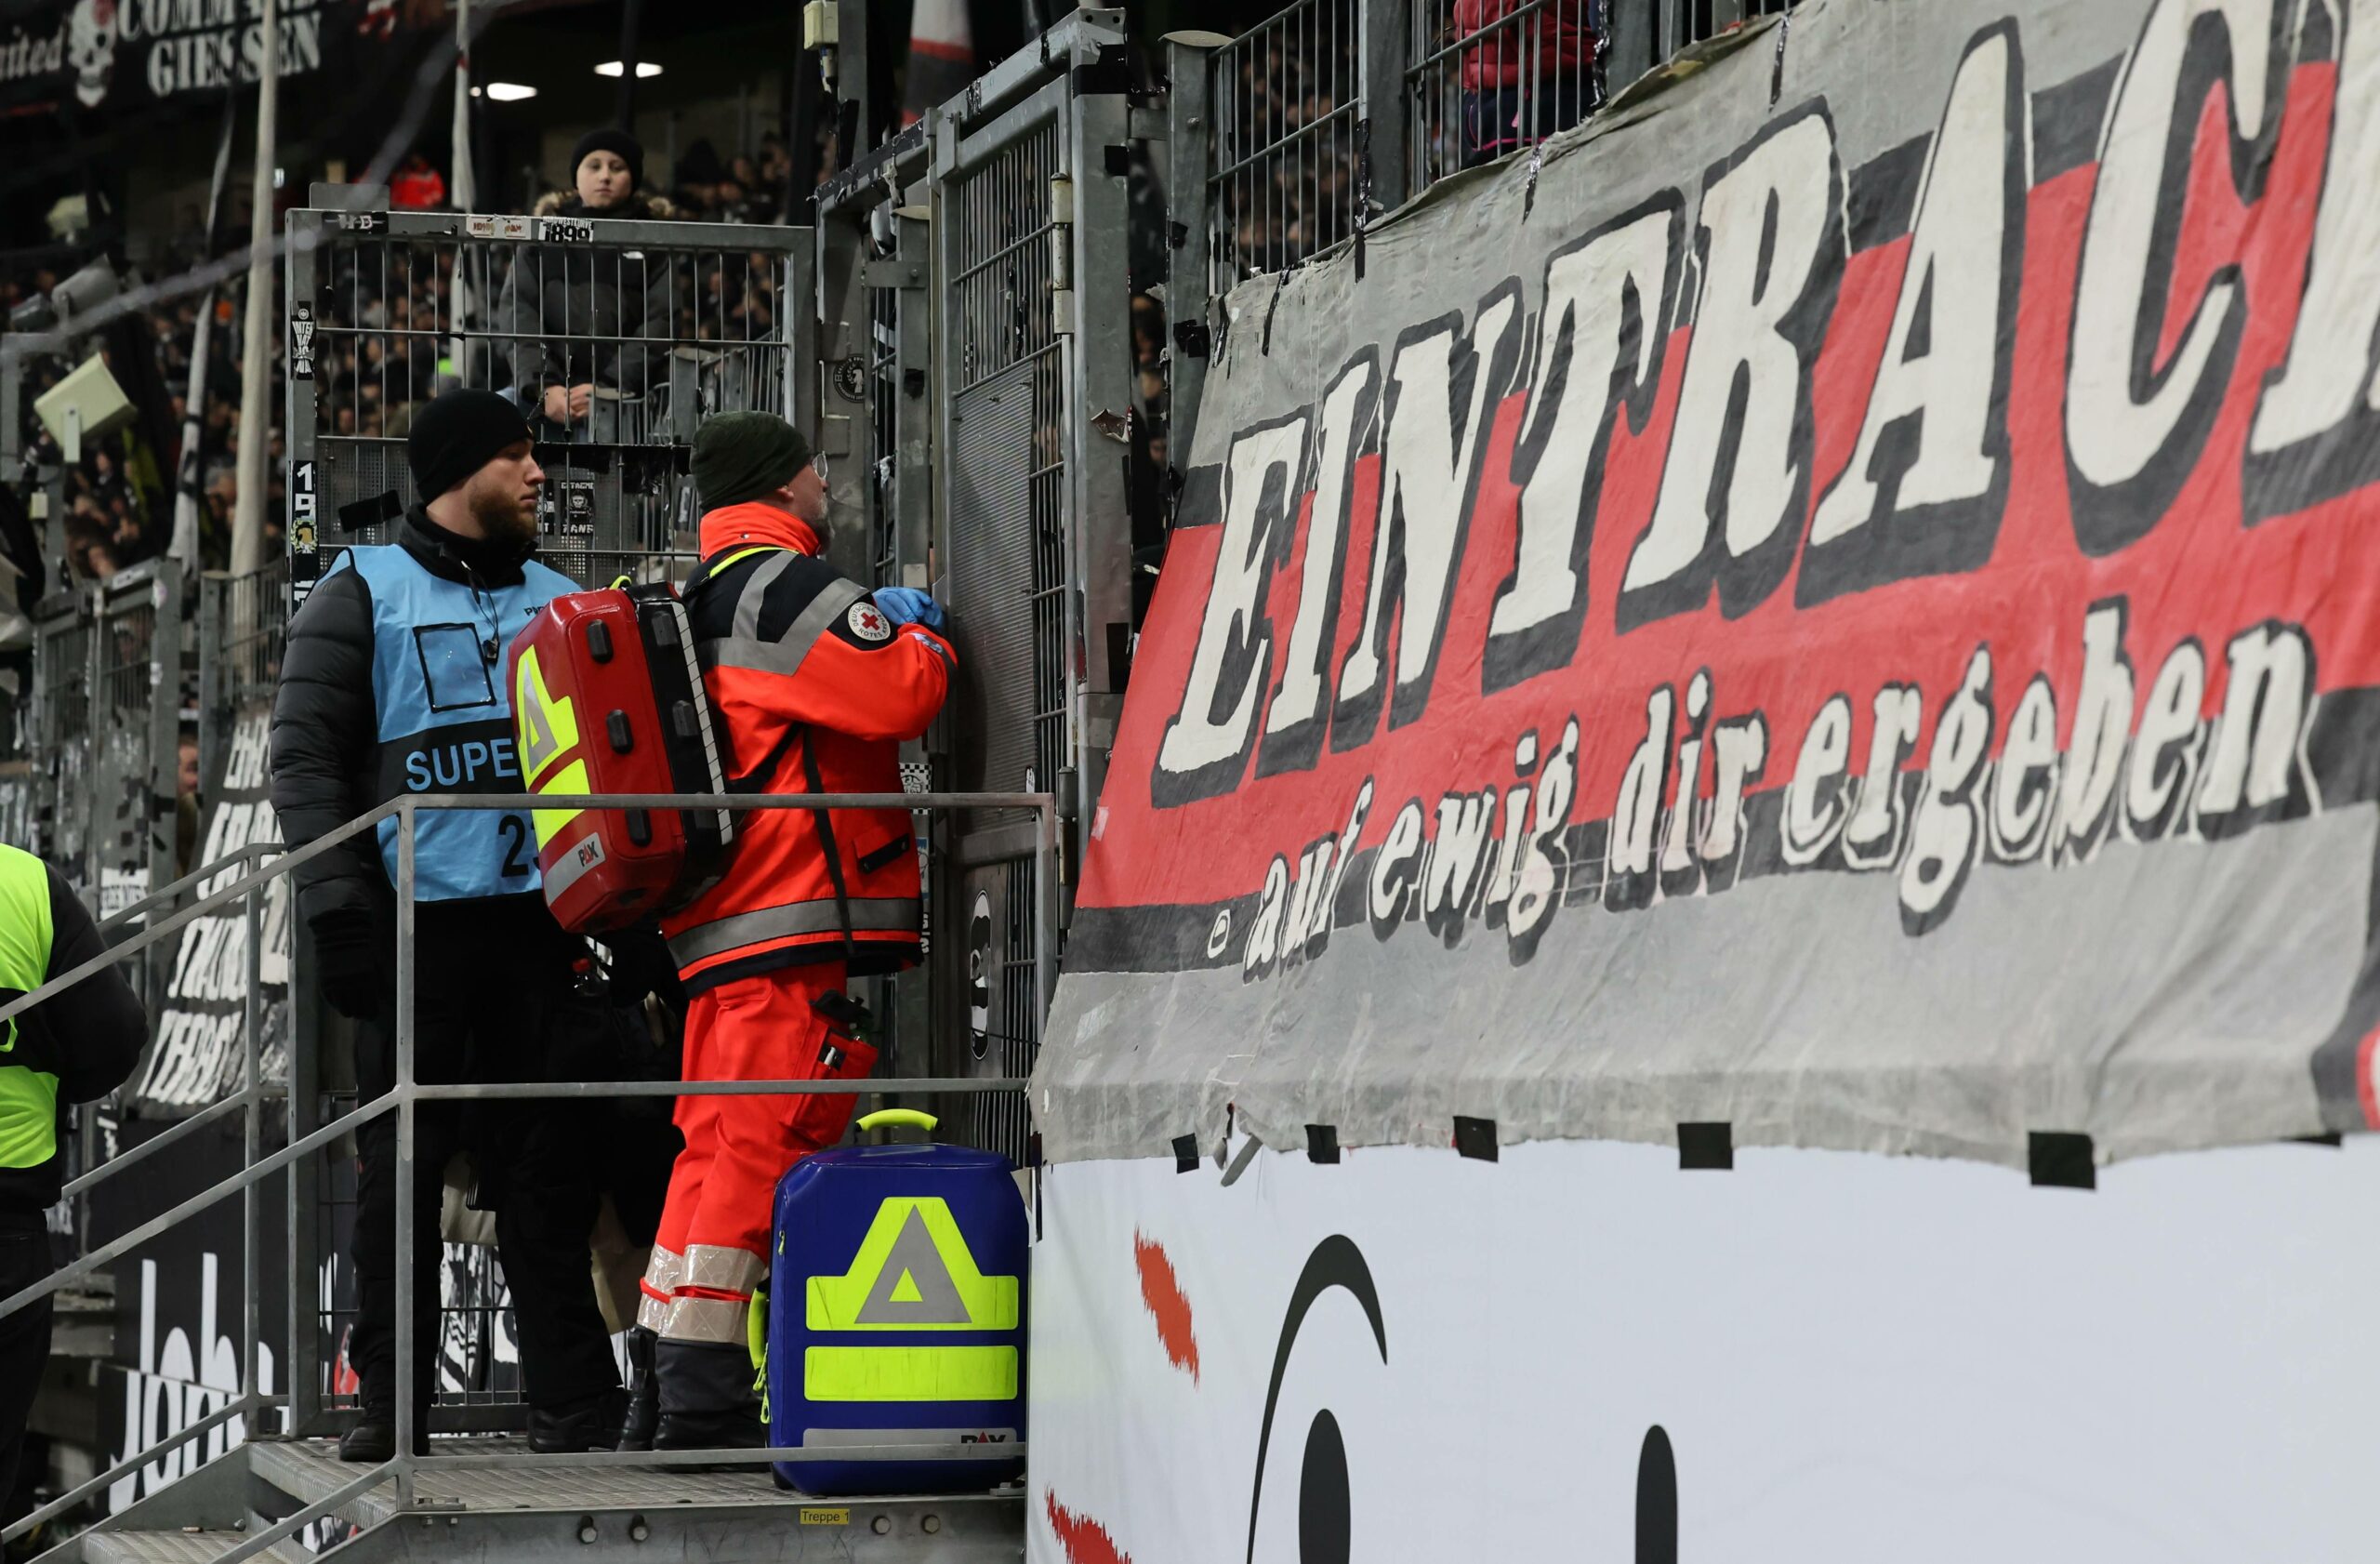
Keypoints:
(1321, 1143)
(1186, 1154)
(1777, 71)
(1529, 192)
(1280, 285)
(1476, 1138)
(1239, 1163)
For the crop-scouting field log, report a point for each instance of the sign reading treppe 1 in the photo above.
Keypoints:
(1839, 600)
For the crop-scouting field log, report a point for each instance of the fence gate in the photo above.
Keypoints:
(876, 435)
(617, 338)
(1032, 316)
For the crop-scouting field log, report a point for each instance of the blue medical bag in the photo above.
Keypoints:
(896, 1313)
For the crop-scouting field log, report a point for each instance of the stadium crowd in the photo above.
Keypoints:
(120, 497)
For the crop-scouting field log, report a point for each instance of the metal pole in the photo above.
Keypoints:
(1383, 171)
(466, 181)
(251, 1268)
(256, 351)
(1190, 154)
(302, 1375)
(631, 16)
(407, 1413)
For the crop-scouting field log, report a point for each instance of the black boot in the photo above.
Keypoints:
(374, 1438)
(644, 1391)
(589, 1423)
(708, 1401)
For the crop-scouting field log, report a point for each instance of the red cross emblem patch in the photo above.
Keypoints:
(868, 622)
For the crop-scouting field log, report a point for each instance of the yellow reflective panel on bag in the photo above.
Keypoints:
(913, 1272)
(909, 1373)
(547, 726)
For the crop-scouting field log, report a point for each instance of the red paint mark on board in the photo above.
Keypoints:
(1161, 1295)
(1085, 1540)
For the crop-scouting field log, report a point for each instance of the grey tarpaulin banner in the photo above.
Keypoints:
(1838, 603)
(197, 1057)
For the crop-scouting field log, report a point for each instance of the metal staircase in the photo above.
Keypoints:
(508, 1509)
(482, 1498)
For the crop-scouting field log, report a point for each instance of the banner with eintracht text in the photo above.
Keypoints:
(1839, 600)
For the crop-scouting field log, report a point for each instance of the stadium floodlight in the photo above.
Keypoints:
(644, 69)
(87, 404)
(78, 295)
(510, 92)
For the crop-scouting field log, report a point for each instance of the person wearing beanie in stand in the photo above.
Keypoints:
(817, 682)
(393, 684)
(589, 333)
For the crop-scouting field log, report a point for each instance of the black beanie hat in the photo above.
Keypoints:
(458, 434)
(743, 455)
(630, 150)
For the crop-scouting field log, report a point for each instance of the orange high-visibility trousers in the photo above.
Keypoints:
(712, 1248)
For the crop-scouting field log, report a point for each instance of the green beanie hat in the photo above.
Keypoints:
(744, 456)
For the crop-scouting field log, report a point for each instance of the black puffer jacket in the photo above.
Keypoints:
(571, 316)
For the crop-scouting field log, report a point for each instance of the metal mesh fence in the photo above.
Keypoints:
(617, 338)
(1286, 114)
(62, 733)
(1007, 462)
(126, 716)
(1491, 79)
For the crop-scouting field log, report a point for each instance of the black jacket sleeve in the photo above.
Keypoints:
(90, 1035)
(323, 727)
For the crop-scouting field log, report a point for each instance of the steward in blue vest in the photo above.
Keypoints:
(393, 683)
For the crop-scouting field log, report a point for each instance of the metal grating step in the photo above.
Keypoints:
(309, 1470)
(174, 1547)
(504, 1513)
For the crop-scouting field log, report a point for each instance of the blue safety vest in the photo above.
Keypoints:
(445, 717)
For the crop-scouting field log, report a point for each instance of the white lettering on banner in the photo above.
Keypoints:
(1681, 821)
(1599, 348)
(1930, 466)
(2134, 427)
(1227, 672)
(198, 1058)
(1772, 239)
(2317, 432)
(179, 1382)
(1443, 388)
(1293, 726)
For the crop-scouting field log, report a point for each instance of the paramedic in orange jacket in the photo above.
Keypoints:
(817, 682)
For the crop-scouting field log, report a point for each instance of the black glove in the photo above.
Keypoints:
(348, 966)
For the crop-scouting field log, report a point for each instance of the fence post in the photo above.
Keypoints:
(1189, 134)
(1097, 441)
(1383, 136)
(1635, 25)
(212, 629)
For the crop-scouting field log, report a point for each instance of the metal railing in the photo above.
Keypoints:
(1489, 80)
(1288, 111)
(404, 1100)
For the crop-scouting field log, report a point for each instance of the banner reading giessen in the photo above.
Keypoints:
(1841, 599)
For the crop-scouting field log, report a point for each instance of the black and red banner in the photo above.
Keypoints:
(1839, 599)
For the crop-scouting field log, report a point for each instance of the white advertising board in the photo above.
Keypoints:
(1851, 1359)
